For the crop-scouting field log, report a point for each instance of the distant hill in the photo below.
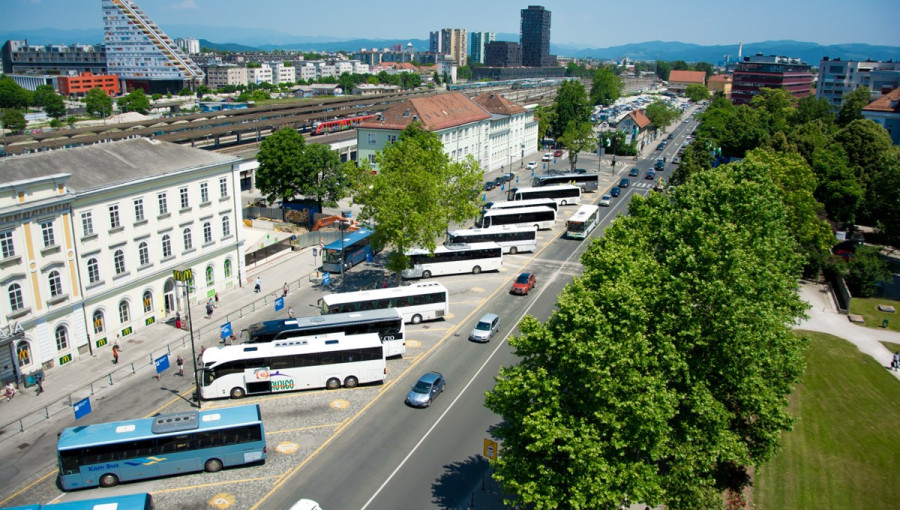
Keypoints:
(226, 46)
(349, 46)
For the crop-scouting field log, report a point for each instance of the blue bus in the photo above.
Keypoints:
(354, 248)
(168, 444)
(141, 501)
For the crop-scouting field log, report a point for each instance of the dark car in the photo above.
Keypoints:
(508, 176)
(624, 183)
(489, 185)
(428, 387)
(634, 172)
(615, 191)
(557, 154)
(650, 174)
(524, 283)
(661, 146)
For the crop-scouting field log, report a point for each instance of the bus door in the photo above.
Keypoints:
(257, 380)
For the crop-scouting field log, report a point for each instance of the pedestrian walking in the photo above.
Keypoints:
(216, 303)
(284, 289)
(290, 312)
(180, 363)
(178, 320)
(115, 354)
(40, 383)
(10, 391)
(896, 364)
(209, 308)
(258, 285)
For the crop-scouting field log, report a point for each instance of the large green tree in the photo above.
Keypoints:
(417, 193)
(661, 114)
(810, 109)
(570, 105)
(98, 103)
(290, 168)
(13, 120)
(839, 191)
(852, 104)
(696, 92)
(667, 366)
(606, 86)
(12, 95)
(52, 103)
(545, 116)
(578, 137)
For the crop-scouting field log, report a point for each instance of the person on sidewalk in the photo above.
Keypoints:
(258, 285)
(40, 383)
(116, 354)
(180, 363)
(10, 391)
(896, 364)
(178, 320)
(209, 309)
(284, 289)
(216, 302)
(290, 312)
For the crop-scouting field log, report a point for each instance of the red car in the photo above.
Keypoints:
(524, 283)
(557, 154)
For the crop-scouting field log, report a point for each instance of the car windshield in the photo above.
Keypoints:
(422, 387)
(523, 278)
(483, 326)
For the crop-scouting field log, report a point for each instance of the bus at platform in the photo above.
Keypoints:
(586, 181)
(511, 239)
(355, 247)
(416, 302)
(454, 259)
(564, 194)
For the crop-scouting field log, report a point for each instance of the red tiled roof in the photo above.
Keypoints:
(726, 78)
(639, 118)
(687, 77)
(497, 104)
(889, 102)
(440, 111)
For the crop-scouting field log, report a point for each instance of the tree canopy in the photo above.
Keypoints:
(578, 137)
(12, 95)
(417, 193)
(13, 119)
(661, 114)
(98, 103)
(606, 87)
(135, 101)
(852, 104)
(667, 366)
(570, 105)
(696, 92)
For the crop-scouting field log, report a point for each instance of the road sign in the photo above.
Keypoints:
(82, 407)
(279, 303)
(225, 330)
(162, 363)
(326, 278)
(490, 449)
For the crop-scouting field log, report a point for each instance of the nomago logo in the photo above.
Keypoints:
(261, 374)
(283, 385)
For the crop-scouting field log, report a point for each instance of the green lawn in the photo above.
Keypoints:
(868, 308)
(844, 451)
(891, 346)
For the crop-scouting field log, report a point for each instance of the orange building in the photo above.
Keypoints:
(720, 83)
(81, 84)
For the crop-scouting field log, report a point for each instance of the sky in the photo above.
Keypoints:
(582, 23)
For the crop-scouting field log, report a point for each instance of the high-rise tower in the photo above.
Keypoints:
(535, 34)
(141, 54)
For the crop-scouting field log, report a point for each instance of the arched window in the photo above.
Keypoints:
(124, 312)
(166, 246)
(55, 282)
(144, 253)
(207, 232)
(16, 302)
(148, 301)
(99, 327)
(93, 268)
(119, 261)
(62, 338)
(226, 226)
(227, 268)
(210, 276)
(23, 353)
(188, 242)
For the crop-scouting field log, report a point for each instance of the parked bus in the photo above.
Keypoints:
(541, 218)
(586, 181)
(300, 363)
(583, 222)
(564, 194)
(454, 259)
(108, 453)
(511, 239)
(356, 247)
(143, 501)
(417, 302)
(388, 323)
(535, 202)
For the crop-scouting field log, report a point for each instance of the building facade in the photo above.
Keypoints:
(218, 76)
(188, 45)
(19, 57)
(757, 72)
(141, 54)
(837, 78)
(82, 84)
(261, 74)
(535, 37)
(503, 54)
(679, 80)
(513, 131)
(477, 43)
(453, 43)
(91, 237)
(720, 83)
(885, 111)
(434, 42)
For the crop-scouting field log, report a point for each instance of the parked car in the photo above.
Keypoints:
(426, 389)
(508, 176)
(615, 191)
(605, 200)
(547, 157)
(557, 154)
(489, 185)
(487, 327)
(523, 283)
(531, 165)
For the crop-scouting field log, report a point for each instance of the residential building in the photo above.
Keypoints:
(306, 72)
(477, 42)
(261, 74)
(90, 238)
(757, 72)
(447, 70)
(720, 83)
(535, 37)
(435, 44)
(282, 73)
(491, 129)
(515, 73)
(19, 57)
(82, 84)
(503, 54)
(141, 54)
(223, 75)
(369, 89)
(836, 78)
(453, 43)
(679, 80)
(188, 45)
(885, 111)
(636, 126)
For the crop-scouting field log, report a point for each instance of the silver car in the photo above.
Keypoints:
(426, 389)
(486, 328)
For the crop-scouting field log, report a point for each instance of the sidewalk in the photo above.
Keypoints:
(65, 385)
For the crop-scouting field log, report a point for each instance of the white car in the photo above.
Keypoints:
(532, 165)
(547, 157)
(605, 200)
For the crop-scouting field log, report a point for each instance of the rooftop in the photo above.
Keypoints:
(440, 111)
(889, 102)
(497, 104)
(687, 77)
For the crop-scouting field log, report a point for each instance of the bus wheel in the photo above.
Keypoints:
(513, 250)
(426, 274)
(333, 383)
(213, 466)
(416, 319)
(563, 203)
(237, 393)
(109, 480)
(351, 382)
(476, 269)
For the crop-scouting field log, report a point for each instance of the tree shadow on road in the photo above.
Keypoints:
(466, 482)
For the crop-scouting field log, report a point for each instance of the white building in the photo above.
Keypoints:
(188, 45)
(221, 75)
(282, 73)
(490, 128)
(839, 77)
(261, 74)
(90, 238)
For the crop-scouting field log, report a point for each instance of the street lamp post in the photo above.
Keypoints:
(185, 276)
(341, 226)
